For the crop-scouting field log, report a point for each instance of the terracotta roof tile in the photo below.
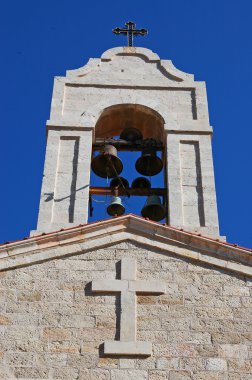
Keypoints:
(139, 217)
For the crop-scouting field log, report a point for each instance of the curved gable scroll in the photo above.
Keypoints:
(164, 67)
(148, 54)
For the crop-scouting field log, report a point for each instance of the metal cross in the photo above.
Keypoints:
(130, 31)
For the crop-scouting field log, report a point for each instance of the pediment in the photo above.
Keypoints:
(129, 66)
(152, 235)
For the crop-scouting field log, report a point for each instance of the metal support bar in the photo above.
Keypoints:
(127, 145)
(120, 191)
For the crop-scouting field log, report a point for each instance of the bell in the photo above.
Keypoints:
(149, 163)
(119, 182)
(131, 134)
(115, 208)
(141, 183)
(107, 164)
(153, 209)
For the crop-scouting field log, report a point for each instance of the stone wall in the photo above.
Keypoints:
(52, 326)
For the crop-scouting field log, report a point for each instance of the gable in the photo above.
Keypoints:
(97, 263)
(98, 235)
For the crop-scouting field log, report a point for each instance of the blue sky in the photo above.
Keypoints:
(41, 39)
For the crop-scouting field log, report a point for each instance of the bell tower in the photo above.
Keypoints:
(129, 100)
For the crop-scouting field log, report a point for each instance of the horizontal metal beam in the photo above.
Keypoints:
(127, 145)
(128, 191)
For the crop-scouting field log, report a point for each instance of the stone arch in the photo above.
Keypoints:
(116, 118)
(155, 110)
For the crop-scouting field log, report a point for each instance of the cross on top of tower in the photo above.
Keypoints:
(130, 31)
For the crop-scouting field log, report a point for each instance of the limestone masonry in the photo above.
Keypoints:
(59, 305)
(160, 99)
(126, 298)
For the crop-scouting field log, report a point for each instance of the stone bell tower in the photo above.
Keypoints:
(126, 297)
(129, 86)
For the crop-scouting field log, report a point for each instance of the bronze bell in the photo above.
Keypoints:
(119, 182)
(149, 163)
(153, 209)
(116, 207)
(107, 164)
(131, 134)
(141, 183)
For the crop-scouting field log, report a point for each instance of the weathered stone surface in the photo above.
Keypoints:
(94, 374)
(128, 374)
(137, 78)
(201, 328)
(216, 364)
(180, 375)
(208, 375)
(239, 351)
(198, 335)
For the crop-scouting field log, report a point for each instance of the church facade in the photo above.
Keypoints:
(126, 297)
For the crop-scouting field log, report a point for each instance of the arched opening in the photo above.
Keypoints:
(148, 199)
(115, 119)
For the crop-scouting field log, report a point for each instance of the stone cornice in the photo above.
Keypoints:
(103, 233)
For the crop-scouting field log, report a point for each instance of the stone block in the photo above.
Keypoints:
(208, 375)
(104, 362)
(59, 334)
(180, 375)
(31, 373)
(77, 321)
(149, 323)
(240, 365)
(82, 361)
(224, 338)
(65, 373)
(168, 364)
(94, 374)
(17, 333)
(5, 320)
(176, 324)
(239, 351)
(66, 347)
(192, 364)
(146, 363)
(19, 359)
(236, 290)
(127, 363)
(158, 375)
(105, 321)
(57, 359)
(216, 364)
(128, 374)
(174, 350)
(120, 348)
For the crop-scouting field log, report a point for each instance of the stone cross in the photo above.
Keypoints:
(128, 287)
(130, 31)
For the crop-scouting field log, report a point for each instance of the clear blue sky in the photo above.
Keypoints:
(41, 39)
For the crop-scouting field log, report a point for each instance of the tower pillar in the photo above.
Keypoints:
(191, 186)
(65, 185)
